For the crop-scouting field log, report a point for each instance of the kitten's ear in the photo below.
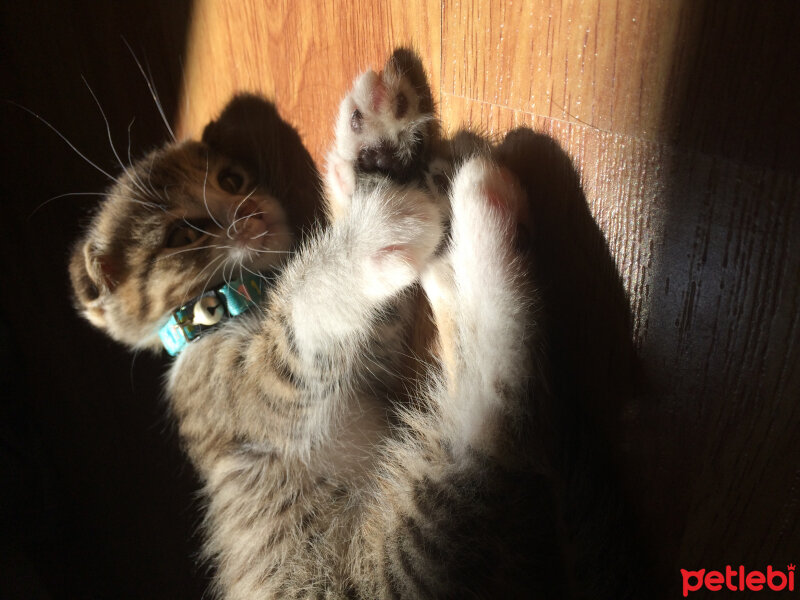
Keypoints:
(92, 272)
(212, 134)
(232, 133)
(238, 128)
(248, 131)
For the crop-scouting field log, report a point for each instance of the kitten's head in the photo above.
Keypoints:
(178, 222)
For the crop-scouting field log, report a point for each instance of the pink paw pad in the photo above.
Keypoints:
(505, 195)
(502, 192)
(378, 95)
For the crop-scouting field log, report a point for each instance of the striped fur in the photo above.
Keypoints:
(323, 477)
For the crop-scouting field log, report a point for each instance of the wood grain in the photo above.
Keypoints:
(302, 55)
(696, 192)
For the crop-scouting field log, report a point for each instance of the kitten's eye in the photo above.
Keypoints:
(186, 233)
(230, 180)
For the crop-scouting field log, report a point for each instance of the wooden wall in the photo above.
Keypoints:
(663, 162)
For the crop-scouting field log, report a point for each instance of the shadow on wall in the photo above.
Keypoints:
(692, 445)
(593, 368)
(719, 427)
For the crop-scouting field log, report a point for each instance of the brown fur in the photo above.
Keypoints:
(322, 478)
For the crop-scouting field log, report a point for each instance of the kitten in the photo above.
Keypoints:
(322, 478)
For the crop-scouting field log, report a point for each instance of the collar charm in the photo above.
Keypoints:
(210, 309)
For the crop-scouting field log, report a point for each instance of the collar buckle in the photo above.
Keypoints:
(209, 310)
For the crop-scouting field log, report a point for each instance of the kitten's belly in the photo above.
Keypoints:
(355, 448)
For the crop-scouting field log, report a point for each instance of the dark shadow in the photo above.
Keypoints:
(732, 86)
(97, 501)
(718, 449)
(593, 373)
(96, 463)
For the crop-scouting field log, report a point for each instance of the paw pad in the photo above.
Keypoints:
(357, 121)
(383, 128)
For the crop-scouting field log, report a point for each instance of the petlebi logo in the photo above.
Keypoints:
(738, 580)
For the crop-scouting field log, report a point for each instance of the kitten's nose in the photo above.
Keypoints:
(246, 209)
(248, 221)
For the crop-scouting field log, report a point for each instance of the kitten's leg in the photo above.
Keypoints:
(339, 281)
(429, 530)
(307, 358)
(384, 129)
(483, 303)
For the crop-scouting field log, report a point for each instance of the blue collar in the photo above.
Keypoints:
(209, 310)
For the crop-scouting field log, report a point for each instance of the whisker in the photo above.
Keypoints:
(205, 198)
(152, 89)
(149, 188)
(233, 223)
(130, 161)
(200, 273)
(193, 226)
(131, 199)
(262, 251)
(255, 273)
(110, 140)
(214, 274)
(262, 234)
(133, 362)
(236, 210)
(157, 99)
(267, 280)
(63, 137)
(228, 279)
(171, 254)
(49, 200)
(148, 185)
(150, 182)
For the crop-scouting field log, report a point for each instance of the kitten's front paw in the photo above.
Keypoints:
(384, 127)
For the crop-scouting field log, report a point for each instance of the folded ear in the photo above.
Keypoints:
(92, 272)
(244, 131)
(251, 132)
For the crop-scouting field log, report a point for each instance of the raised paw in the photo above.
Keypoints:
(489, 205)
(490, 220)
(405, 230)
(383, 128)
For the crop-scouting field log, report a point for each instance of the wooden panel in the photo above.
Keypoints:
(304, 55)
(631, 211)
(696, 191)
(661, 71)
(603, 64)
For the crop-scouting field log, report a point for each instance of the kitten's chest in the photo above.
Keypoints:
(228, 400)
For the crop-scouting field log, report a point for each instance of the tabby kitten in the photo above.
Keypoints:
(322, 478)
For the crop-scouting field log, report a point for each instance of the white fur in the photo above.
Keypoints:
(375, 251)
(373, 96)
(332, 293)
(481, 292)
